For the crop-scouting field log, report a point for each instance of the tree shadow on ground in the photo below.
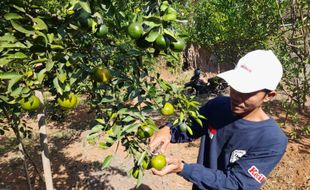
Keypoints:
(68, 172)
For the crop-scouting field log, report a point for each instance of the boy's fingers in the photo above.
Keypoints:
(166, 170)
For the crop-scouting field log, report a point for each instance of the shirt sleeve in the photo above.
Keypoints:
(249, 172)
(178, 136)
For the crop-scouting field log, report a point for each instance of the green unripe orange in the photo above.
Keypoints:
(168, 109)
(30, 103)
(144, 131)
(178, 46)
(135, 173)
(67, 101)
(102, 75)
(135, 30)
(102, 30)
(160, 42)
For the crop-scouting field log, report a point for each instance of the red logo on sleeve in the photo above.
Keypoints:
(211, 131)
(260, 178)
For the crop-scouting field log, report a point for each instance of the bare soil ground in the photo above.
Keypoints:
(77, 165)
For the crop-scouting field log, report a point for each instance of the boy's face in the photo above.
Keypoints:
(244, 103)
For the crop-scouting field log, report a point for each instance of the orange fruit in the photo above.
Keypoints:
(144, 131)
(67, 101)
(178, 46)
(135, 30)
(102, 30)
(160, 42)
(158, 162)
(30, 103)
(168, 109)
(102, 75)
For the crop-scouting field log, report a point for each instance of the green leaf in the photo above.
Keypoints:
(85, 6)
(128, 119)
(41, 75)
(62, 77)
(122, 111)
(92, 137)
(141, 158)
(103, 145)
(49, 63)
(39, 33)
(189, 130)
(181, 116)
(8, 37)
(4, 61)
(169, 33)
(67, 88)
(12, 45)
(19, 8)
(106, 162)
(152, 18)
(12, 16)
(53, 46)
(151, 24)
(17, 55)
(4, 98)
(97, 128)
(175, 122)
(21, 29)
(100, 121)
(130, 128)
(170, 17)
(50, 37)
(201, 117)
(198, 121)
(26, 90)
(14, 81)
(38, 61)
(107, 99)
(151, 37)
(17, 91)
(164, 6)
(39, 24)
(8, 75)
(193, 114)
(56, 85)
(122, 14)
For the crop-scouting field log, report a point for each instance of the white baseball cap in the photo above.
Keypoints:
(257, 70)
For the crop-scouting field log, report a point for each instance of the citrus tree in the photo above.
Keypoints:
(293, 47)
(105, 50)
(232, 28)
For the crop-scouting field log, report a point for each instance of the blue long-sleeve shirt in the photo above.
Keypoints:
(234, 153)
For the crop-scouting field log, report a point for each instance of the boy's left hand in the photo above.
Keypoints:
(173, 166)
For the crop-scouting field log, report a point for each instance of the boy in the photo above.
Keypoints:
(240, 143)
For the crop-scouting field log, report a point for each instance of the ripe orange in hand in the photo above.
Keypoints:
(158, 162)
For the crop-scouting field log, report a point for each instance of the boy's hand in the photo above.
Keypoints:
(173, 166)
(161, 138)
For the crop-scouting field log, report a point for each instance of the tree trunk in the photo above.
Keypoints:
(22, 155)
(196, 56)
(44, 145)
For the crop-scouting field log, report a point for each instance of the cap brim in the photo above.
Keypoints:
(240, 81)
